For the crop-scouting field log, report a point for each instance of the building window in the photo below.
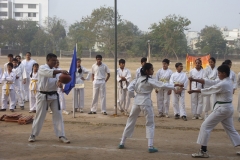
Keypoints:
(3, 14)
(32, 6)
(18, 5)
(18, 14)
(32, 14)
(3, 5)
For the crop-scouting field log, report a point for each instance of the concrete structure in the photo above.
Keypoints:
(232, 37)
(192, 38)
(34, 10)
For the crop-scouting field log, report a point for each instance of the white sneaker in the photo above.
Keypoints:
(194, 117)
(50, 112)
(199, 117)
(200, 154)
(81, 110)
(31, 138)
(65, 112)
(64, 139)
(167, 116)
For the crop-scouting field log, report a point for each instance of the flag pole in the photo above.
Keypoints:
(74, 94)
(115, 57)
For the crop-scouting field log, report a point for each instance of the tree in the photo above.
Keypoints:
(211, 41)
(168, 35)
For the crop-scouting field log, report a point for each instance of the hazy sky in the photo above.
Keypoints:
(145, 12)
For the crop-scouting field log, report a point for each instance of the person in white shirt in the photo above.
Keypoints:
(163, 95)
(27, 65)
(222, 110)
(1, 72)
(47, 96)
(99, 71)
(232, 75)
(10, 58)
(196, 98)
(18, 72)
(33, 88)
(209, 73)
(79, 92)
(143, 86)
(238, 84)
(123, 78)
(8, 79)
(179, 77)
(18, 57)
(138, 73)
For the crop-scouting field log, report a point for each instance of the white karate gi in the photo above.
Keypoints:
(143, 102)
(208, 101)
(27, 66)
(79, 92)
(123, 96)
(163, 99)
(99, 86)
(33, 91)
(196, 98)
(179, 99)
(8, 86)
(233, 77)
(47, 82)
(138, 72)
(18, 73)
(21, 80)
(1, 72)
(238, 85)
(222, 112)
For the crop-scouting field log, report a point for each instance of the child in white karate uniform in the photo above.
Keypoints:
(209, 73)
(163, 95)
(222, 110)
(79, 92)
(238, 84)
(179, 77)
(196, 98)
(18, 72)
(123, 78)
(8, 79)
(33, 88)
(143, 86)
(138, 73)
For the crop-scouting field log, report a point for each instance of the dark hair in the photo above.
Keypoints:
(144, 69)
(35, 64)
(121, 61)
(51, 55)
(178, 64)
(144, 59)
(18, 56)
(166, 61)
(98, 56)
(80, 69)
(199, 59)
(224, 69)
(10, 55)
(29, 53)
(213, 59)
(227, 62)
(15, 60)
(10, 64)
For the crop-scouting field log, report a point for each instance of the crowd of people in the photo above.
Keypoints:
(211, 92)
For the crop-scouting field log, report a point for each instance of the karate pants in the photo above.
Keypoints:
(19, 96)
(41, 111)
(238, 108)
(179, 104)
(99, 90)
(32, 101)
(79, 98)
(123, 99)
(196, 103)
(12, 99)
(21, 88)
(208, 102)
(163, 101)
(62, 99)
(223, 113)
(149, 115)
(26, 89)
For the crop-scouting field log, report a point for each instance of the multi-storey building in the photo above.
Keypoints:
(34, 10)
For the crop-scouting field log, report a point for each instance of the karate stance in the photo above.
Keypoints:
(48, 97)
(222, 110)
(143, 86)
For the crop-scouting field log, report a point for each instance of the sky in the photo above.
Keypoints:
(143, 13)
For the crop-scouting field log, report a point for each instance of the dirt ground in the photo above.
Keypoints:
(97, 136)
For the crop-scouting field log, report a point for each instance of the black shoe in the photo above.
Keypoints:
(177, 116)
(104, 113)
(184, 118)
(22, 107)
(12, 110)
(2, 110)
(92, 112)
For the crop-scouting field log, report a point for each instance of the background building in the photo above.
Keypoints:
(35, 10)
